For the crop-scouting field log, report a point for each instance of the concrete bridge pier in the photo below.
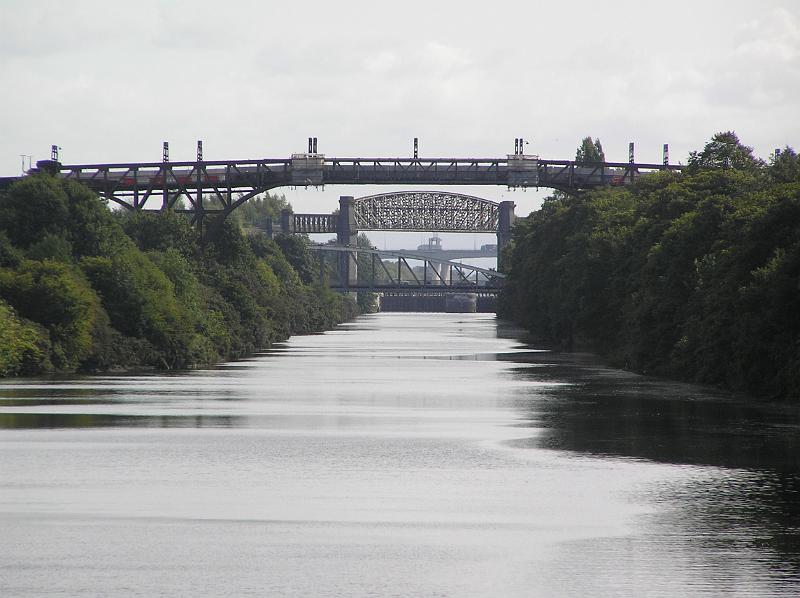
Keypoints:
(441, 275)
(287, 221)
(347, 234)
(504, 230)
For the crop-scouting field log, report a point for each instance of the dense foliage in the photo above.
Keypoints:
(590, 150)
(85, 289)
(694, 275)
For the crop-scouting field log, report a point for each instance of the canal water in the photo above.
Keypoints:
(399, 455)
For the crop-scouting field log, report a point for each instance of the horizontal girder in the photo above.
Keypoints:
(416, 289)
(157, 185)
(439, 276)
(408, 255)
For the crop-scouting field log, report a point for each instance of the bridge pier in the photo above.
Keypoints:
(504, 230)
(443, 274)
(287, 221)
(347, 234)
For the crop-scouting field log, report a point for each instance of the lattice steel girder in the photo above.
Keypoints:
(426, 211)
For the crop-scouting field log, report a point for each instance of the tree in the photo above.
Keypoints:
(257, 212)
(33, 207)
(140, 300)
(692, 275)
(590, 151)
(784, 167)
(82, 288)
(59, 297)
(724, 151)
(57, 218)
(161, 231)
(297, 249)
(23, 346)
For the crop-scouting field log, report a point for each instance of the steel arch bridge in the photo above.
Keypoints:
(410, 211)
(434, 211)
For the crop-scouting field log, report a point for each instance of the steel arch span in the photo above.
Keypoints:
(433, 211)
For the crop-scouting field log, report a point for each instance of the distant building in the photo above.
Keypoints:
(433, 244)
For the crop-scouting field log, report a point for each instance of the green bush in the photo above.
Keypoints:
(141, 303)
(24, 347)
(84, 289)
(57, 296)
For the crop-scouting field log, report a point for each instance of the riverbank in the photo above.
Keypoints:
(689, 276)
(85, 289)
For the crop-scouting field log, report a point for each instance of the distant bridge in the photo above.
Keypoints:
(432, 211)
(417, 211)
(437, 276)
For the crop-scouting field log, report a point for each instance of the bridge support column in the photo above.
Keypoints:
(442, 274)
(287, 220)
(347, 234)
(504, 231)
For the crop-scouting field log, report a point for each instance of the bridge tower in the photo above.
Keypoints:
(505, 225)
(347, 234)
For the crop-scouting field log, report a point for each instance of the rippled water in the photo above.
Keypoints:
(400, 455)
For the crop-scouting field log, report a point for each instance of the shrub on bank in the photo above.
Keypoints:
(83, 289)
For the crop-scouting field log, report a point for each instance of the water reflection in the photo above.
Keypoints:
(397, 455)
(21, 421)
(609, 412)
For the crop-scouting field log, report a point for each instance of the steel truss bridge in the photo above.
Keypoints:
(437, 277)
(418, 211)
(217, 187)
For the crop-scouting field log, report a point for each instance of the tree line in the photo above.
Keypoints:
(692, 275)
(85, 289)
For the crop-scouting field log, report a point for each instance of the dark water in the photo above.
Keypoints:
(401, 455)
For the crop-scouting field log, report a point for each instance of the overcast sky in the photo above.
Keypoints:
(109, 81)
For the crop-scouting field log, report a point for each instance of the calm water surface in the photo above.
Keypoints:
(400, 455)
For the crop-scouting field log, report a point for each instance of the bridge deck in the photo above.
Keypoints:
(133, 184)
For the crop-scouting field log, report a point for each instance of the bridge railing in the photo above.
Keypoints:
(314, 223)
